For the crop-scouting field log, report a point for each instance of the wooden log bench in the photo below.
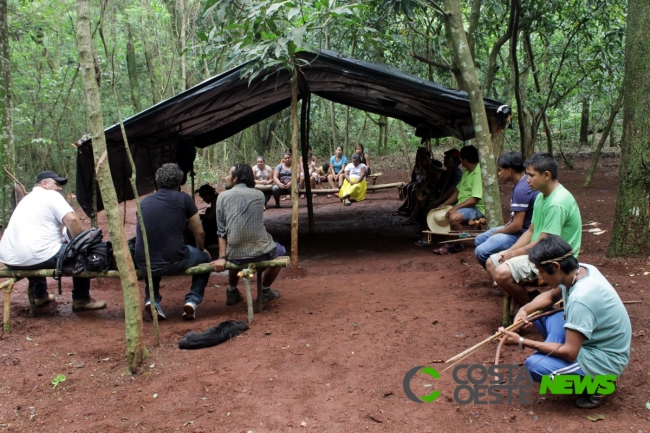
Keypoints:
(370, 188)
(247, 272)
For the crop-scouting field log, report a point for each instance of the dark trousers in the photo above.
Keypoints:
(80, 286)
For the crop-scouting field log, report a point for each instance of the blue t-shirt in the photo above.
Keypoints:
(523, 200)
(338, 165)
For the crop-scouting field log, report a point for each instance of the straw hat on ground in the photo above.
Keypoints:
(437, 220)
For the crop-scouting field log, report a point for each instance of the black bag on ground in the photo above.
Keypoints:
(224, 331)
(85, 253)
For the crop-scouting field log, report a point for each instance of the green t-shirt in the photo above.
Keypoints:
(470, 186)
(558, 214)
(594, 309)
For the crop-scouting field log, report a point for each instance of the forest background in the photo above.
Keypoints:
(559, 64)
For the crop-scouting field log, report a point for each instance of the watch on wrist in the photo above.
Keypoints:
(521, 343)
(222, 257)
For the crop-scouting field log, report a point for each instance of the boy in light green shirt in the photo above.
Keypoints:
(555, 213)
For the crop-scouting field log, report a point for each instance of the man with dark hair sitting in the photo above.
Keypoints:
(242, 235)
(209, 218)
(555, 213)
(593, 336)
(522, 201)
(33, 239)
(165, 214)
(468, 197)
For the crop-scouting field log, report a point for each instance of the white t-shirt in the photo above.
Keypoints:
(355, 172)
(261, 174)
(33, 234)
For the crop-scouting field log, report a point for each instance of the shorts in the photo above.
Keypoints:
(470, 213)
(278, 251)
(521, 269)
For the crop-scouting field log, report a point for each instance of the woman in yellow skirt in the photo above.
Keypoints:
(354, 186)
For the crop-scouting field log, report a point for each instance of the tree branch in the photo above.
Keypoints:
(436, 64)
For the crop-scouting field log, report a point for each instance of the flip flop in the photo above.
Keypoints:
(347, 202)
(329, 195)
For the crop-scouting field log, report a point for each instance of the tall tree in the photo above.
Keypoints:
(7, 153)
(135, 349)
(458, 42)
(631, 232)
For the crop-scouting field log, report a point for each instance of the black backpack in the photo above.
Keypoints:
(85, 253)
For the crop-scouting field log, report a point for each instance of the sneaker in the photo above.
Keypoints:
(39, 302)
(189, 311)
(590, 401)
(270, 295)
(233, 297)
(87, 304)
(147, 309)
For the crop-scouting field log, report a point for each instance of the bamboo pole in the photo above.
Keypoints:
(278, 262)
(249, 298)
(295, 170)
(132, 179)
(7, 287)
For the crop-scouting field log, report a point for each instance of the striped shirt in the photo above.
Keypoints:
(240, 221)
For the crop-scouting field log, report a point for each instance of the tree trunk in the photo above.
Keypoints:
(295, 170)
(381, 141)
(133, 70)
(405, 148)
(7, 150)
(631, 231)
(135, 349)
(150, 59)
(483, 139)
(183, 40)
(584, 122)
(603, 139)
(474, 16)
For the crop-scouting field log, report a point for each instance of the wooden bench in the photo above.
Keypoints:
(247, 272)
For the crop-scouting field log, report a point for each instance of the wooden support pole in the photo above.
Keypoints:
(260, 301)
(7, 287)
(304, 146)
(249, 299)
(295, 178)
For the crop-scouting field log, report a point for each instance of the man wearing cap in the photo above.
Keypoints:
(209, 218)
(33, 239)
(165, 214)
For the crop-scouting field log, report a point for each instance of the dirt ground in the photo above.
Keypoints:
(365, 306)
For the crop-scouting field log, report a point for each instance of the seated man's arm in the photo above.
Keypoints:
(73, 224)
(210, 212)
(470, 202)
(514, 226)
(197, 230)
(451, 199)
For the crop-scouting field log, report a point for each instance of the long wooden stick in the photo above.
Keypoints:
(492, 338)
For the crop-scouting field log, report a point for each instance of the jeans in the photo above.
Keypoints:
(277, 192)
(470, 213)
(199, 281)
(80, 286)
(486, 245)
(552, 329)
(278, 251)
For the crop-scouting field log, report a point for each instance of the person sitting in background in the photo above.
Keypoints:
(311, 166)
(337, 164)
(33, 240)
(354, 186)
(320, 174)
(165, 214)
(416, 176)
(209, 218)
(522, 201)
(422, 193)
(263, 178)
(445, 187)
(242, 236)
(363, 156)
(282, 179)
(592, 338)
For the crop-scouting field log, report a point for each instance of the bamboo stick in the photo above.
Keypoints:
(492, 338)
(7, 287)
(369, 188)
(278, 262)
(249, 298)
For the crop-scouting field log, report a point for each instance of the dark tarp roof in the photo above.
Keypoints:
(227, 104)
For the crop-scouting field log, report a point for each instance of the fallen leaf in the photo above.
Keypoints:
(155, 396)
(647, 405)
(596, 418)
(303, 424)
(29, 339)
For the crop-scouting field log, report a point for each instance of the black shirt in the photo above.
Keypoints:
(165, 214)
